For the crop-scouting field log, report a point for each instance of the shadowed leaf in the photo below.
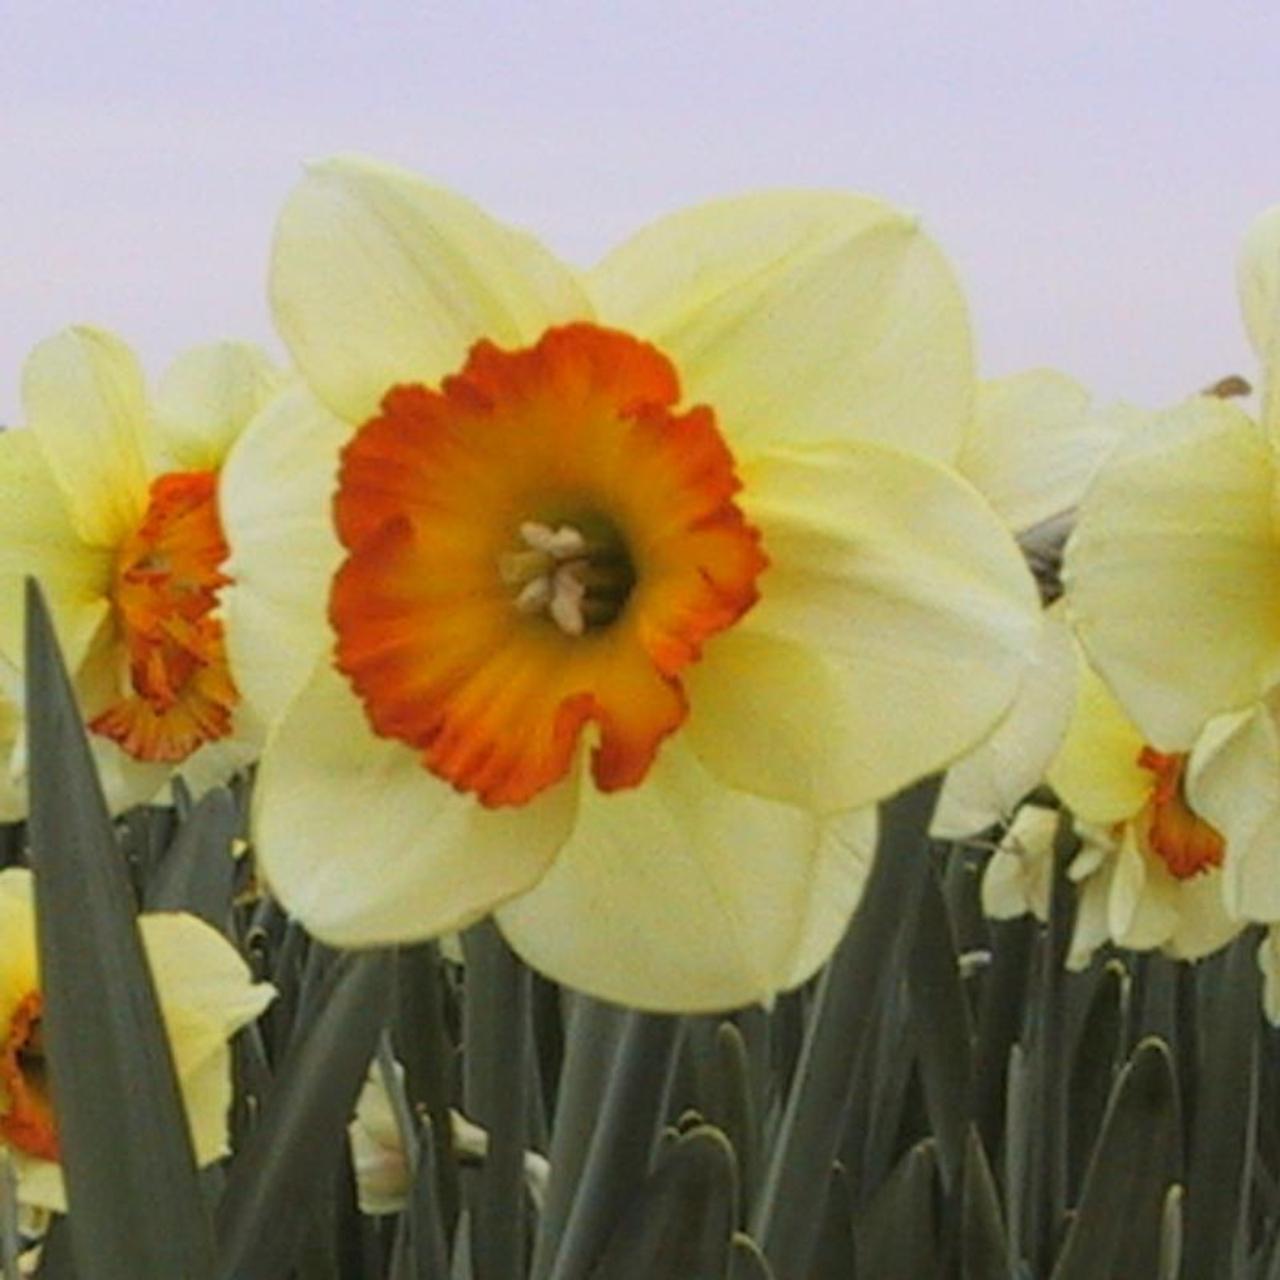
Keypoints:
(984, 1255)
(291, 1154)
(1116, 1231)
(137, 1212)
(197, 872)
(681, 1221)
(897, 1237)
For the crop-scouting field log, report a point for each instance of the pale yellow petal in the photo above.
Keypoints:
(684, 895)
(39, 539)
(1097, 772)
(846, 850)
(200, 975)
(275, 497)
(1019, 877)
(1269, 964)
(40, 1183)
(84, 397)
(1173, 572)
(985, 786)
(1143, 908)
(206, 398)
(379, 278)
(802, 316)
(13, 789)
(366, 847)
(207, 1095)
(1258, 280)
(1090, 931)
(895, 621)
(1203, 925)
(1036, 441)
(1233, 782)
(19, 966)
(377, 1152)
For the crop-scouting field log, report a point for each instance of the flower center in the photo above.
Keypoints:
(26, 1121)
(539, 546)
(165, 592)
(1179, 837)
(575, 581)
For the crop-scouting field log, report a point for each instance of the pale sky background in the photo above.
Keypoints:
(1088, 167)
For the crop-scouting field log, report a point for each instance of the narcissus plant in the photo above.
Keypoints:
(1173, 581)
(205, 992)
(1151, 871)
(625, 592)
(109, 498)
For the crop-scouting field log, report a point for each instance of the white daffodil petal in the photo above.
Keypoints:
(895, 621)
(1233, 782)
(1035, 442)
(379, 278)
(39, 540)
(1203, 925)
(1142, 911)
(1173, 571)
(1258, 280)
(366, 847)
(846, 849)
(683, 895)
(1019, 877)
(1096, 772)
(205, 399)
(85, 399)
(1269, 964)
(199, 972)
(801, 316)
(275, 497)
(985, 786)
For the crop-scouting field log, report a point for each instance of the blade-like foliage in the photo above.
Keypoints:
(136, 1208)
(680, 1223)
(291, 1154)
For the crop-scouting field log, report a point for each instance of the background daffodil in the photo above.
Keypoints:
(625, 590)
(1151, 872)
(205, 992)
(110, 501)
(1173, 577)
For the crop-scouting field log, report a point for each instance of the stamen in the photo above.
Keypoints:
(577, 583)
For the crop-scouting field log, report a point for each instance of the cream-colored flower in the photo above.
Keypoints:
(383, 1176)
(1174, 583)
(635, 586)
(206, 994)
(1018, 879)
(1269, 964)
(1154, 864)
(109, 499)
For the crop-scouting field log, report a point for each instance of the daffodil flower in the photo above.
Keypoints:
(624, 591)
(205, 993)
(1173, 580)
(110, 500)
(1153, 864)
(381, 1165)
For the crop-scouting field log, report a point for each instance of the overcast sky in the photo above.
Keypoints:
(1088, 166)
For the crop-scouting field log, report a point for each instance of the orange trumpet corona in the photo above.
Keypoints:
(540, 545)
(1183, 841)
(165, 592)
(26, 1117)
